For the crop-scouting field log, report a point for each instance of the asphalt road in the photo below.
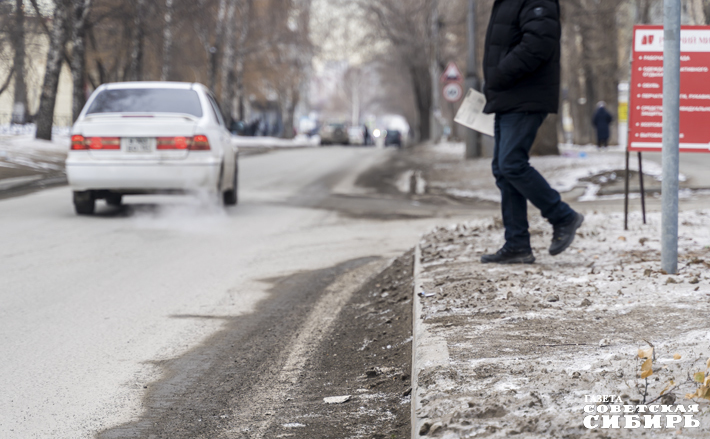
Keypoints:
(92, 307)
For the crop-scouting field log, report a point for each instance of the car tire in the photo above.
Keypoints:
(231, 197)
(114, 200)
(84, 202)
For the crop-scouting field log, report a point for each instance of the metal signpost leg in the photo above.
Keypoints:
(671, 135)
(643, 192)
(626, 193)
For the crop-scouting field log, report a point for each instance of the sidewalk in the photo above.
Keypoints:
(27, 163)
(511, 351)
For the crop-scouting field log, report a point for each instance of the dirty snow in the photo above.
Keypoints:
(299, 141)
(578, 167)
(22, 155)
(528, 342)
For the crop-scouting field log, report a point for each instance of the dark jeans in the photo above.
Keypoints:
(519, 182)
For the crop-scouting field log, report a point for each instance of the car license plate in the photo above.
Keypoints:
(137, 144)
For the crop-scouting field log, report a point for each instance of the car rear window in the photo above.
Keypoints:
(147, 100)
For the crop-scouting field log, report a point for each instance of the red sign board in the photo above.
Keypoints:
(646, 96)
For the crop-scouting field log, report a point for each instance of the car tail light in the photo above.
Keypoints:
(179, 143)
(104, 143)
(78, 143)
(200, 143)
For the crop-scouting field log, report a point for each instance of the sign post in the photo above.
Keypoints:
(669, 109)
(671, 135)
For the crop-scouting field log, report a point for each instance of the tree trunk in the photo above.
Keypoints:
(55, 56)
(227, 68)
(215, 49)
(547, 140)
(6, 84)
(289, 108)
(421, 83)
(697, 12)
(20, 110)
(78, 60)
(167, 41)
(136, 66)
(239, 67)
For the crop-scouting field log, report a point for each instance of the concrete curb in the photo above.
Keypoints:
(428, 350)
(10, 187)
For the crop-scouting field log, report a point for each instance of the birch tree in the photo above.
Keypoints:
(698, 11)
(55, 55)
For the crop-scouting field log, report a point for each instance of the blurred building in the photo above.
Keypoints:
(36, 47)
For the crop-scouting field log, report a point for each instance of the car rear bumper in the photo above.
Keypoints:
(143, 177)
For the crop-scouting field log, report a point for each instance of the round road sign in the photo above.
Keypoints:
(453, 92)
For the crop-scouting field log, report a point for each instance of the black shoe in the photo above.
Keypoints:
(505, 256)
(562, 236)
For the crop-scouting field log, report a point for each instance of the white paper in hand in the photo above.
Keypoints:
(471, 114)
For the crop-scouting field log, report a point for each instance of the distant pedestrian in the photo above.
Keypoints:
(522, 72)
(602, 119)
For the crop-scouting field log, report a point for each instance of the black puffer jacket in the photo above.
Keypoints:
(521, 64)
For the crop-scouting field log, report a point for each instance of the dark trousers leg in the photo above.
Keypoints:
(519, 182)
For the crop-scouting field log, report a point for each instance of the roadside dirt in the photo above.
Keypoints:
(528, 343)
(368, 358)
(244, 382)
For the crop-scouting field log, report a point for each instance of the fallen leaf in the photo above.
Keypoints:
(708, 363)
(677, 357)
(699, 377)
(622, 238)
(647, 368)
(646, 353)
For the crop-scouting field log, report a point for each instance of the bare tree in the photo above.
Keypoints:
(137, 42)
(20, 108)
(55, 56)
(167, 40)
(80, 15)
(245, 12)
(697, 10)
(406, 25)
(227, 66)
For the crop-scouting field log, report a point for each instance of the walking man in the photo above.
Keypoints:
(522, 73)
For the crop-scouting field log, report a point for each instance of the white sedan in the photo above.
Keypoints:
(150, 137)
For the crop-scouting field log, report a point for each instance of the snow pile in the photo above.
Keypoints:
(528, 342)
(24, 152)
(29, 130)
(299, 141)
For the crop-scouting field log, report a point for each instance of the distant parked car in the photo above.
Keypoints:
(150, 137)
(393, 137)
(334, 133)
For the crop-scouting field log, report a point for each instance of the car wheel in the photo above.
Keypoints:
(84, 202)
(114, 199)
(231, 197)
